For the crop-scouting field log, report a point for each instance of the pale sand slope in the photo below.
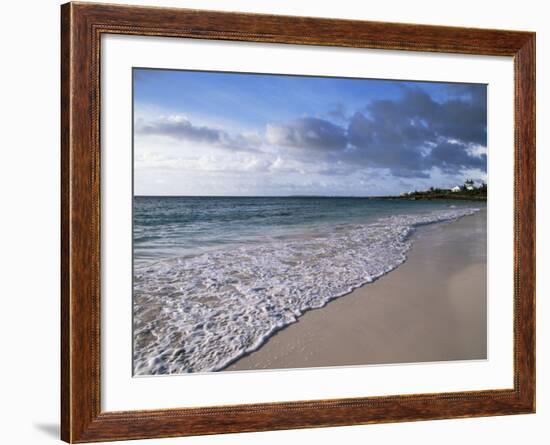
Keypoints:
(431, 308)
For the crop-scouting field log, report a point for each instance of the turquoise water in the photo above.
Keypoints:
(168, 227)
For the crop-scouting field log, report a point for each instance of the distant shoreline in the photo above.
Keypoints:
(419, 197)
(412, 197)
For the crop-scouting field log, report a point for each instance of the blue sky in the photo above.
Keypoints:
(207, 133)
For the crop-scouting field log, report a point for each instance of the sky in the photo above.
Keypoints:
(234, 134)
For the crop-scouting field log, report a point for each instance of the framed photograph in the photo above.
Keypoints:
(274, 222)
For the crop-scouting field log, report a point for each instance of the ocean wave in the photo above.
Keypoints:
(201, 313)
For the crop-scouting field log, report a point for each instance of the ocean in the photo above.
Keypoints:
(215, 277)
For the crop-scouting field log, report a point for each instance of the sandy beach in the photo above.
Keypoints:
(431, 308)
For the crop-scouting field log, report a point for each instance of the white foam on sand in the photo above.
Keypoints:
(201, 313)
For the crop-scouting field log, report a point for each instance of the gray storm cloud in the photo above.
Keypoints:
(307, 133)
(180, 128)
(408, 136)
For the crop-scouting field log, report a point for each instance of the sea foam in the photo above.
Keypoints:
(201, 313)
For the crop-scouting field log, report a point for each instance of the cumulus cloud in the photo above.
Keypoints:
(413, 137)
(307, 133)
(409, 136)
(416, 133)
(452, 156)
(180, 128)
(381, 141)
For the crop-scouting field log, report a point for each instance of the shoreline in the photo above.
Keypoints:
(390, 197)
(435, 198)
(404, 316)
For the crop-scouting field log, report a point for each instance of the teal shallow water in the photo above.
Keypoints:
(170, 227)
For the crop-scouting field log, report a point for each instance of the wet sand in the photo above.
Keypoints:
(431, 308)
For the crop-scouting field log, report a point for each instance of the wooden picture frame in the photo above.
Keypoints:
(82, 25)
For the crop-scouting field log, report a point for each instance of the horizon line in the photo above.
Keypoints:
(261, 196)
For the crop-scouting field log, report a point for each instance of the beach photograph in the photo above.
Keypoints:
(289, 221)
